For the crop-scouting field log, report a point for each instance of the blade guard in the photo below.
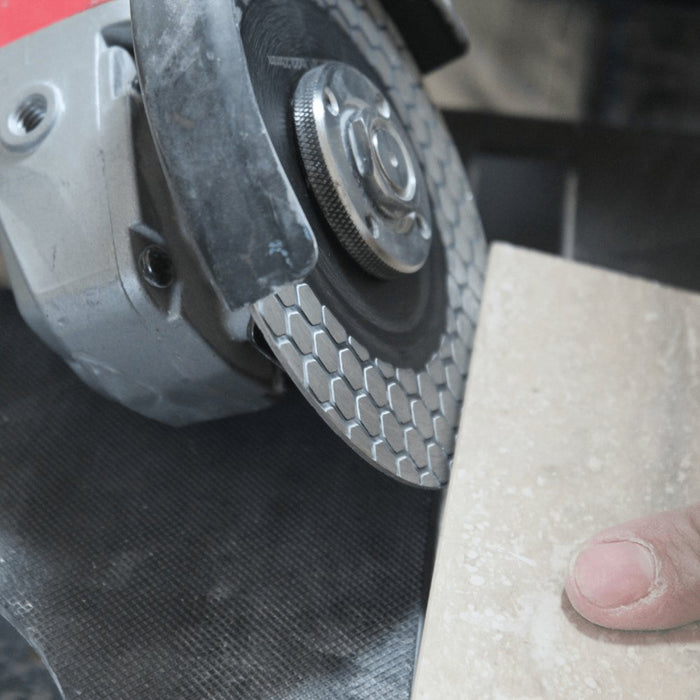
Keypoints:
(233, 200)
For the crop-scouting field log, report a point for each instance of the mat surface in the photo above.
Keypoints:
(255, 557)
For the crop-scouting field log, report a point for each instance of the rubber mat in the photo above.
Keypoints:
(255, 557)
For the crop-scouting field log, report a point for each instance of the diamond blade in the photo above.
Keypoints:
(398, 409)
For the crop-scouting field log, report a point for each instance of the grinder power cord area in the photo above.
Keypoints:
(197, 198)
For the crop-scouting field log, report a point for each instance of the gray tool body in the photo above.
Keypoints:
(239, 191)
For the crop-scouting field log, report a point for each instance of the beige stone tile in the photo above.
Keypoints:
(582, 411)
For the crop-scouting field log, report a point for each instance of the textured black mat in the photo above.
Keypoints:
(255, 557)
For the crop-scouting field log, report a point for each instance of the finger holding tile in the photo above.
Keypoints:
(642, 575)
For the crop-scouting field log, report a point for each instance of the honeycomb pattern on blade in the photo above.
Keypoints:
(404, 421)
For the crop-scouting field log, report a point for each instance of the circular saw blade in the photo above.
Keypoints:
(401, 415)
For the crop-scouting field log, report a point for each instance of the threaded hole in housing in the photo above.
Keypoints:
(29, 115)
(157, 267)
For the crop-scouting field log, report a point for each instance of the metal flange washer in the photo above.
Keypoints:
(392, 191)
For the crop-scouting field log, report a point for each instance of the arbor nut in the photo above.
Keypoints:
(362, 170)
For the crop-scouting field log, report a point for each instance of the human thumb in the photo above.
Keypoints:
(642, 575)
